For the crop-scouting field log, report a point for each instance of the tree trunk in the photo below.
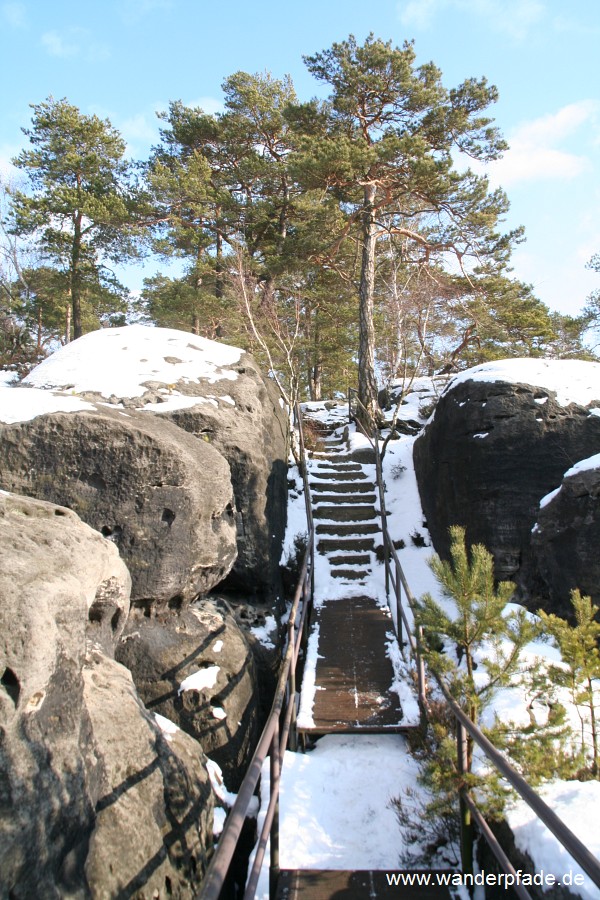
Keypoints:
(68, 324)
(39, 329)
(219, 261)
(315, 371)
(367, 383)
(315, 382)
(76, 277)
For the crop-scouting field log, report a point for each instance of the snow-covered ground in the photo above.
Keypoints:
(336, 800)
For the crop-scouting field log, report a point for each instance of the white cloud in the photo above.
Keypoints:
(133, 10)
(74, 42)
(14, 14)
(209, 105)
(139, 128)
(419, 13)
(57, 45)
(535, 152)
(515, 18)
(9, 174)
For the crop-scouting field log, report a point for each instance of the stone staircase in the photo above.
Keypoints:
(344, 510)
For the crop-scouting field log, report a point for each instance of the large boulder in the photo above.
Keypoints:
(214, 392)
(566, 538)
(250, 428)
(162, 496)
(96, 800)
(501, 437)
(197, 669)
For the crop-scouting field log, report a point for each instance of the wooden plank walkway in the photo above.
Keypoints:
(312, 884)
(353, 672)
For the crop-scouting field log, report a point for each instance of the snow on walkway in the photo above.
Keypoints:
(335, 804)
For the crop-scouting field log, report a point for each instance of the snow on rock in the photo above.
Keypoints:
(202, 679)
(584, 465)
(266, 633)
(121, 362)
(573, 380)
(167, 727)
(18, 405)
(492, 486)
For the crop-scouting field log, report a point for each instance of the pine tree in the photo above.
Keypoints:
(578, 644)
(474, 653)
(484, 636)
(80, 207)
(381, 148)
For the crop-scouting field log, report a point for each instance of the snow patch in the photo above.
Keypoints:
(576, 803)
(167, 727)
(203, 679)
(24, 404)
(120, 361)
(573, 380)
(584, 465)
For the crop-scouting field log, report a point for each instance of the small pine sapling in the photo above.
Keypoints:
(578, 645)
(474, 653)
(484, 635)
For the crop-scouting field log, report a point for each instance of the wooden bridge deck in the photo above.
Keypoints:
(353, 672)
(311, 884)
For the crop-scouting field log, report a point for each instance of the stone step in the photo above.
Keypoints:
(345, 513)
(357, 529)
(350, 559)
(351, 574)
(343, 487)
(346, 464)
(339, 544)
(337, 475)
(347, 499)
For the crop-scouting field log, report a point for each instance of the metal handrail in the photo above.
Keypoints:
(588, 862)
(280, 726)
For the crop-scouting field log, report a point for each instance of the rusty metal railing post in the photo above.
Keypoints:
(275, 769)
(398, 587)
(293, 738)
(466, 822)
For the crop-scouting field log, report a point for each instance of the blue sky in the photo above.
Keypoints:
(126, 59)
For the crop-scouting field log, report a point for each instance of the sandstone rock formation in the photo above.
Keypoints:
(162, 496)
(566, 538)
(247, 424)
(96, 799)
(214, 392)
(500, 439)
(197, 669)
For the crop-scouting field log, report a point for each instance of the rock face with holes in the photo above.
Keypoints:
(197, 669)
(83, 766)
(248, 425)
(162, 496)
(566, 538)
(215, 393)
(500, 439)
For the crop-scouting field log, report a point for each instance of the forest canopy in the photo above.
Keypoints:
(344, 240)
